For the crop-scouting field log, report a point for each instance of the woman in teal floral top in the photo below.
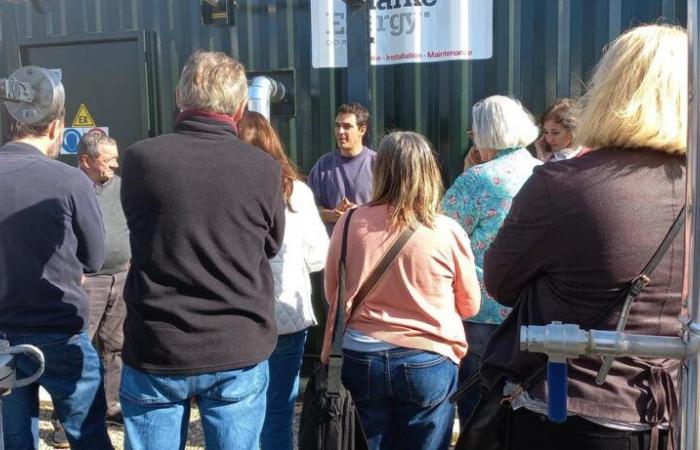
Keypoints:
(480, 200)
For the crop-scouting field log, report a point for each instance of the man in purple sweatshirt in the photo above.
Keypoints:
(342, 178)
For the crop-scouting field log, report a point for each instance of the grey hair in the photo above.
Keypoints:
(213, 82)
(500, 122)
(91, 144)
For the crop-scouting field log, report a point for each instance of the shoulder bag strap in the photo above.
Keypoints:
(339, 324)
(372, 280)
(628, 297)
(335, 360)
(387, 260)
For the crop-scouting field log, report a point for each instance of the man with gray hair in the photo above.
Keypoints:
(98, 158)
(205, 213)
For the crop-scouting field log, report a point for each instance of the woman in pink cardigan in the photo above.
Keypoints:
(403, 344)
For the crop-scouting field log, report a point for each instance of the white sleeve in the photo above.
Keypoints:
(315, 237)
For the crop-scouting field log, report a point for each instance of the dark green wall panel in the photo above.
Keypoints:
(543, 49)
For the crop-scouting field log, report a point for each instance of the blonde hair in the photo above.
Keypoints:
(500, 122)
(212, 81)
(638, 93)
(407, 178)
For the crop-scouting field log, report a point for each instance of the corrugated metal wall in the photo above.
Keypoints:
(543, 49)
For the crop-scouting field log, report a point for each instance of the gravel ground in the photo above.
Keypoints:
(195, 438)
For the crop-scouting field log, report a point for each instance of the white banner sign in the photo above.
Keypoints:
(405, 31)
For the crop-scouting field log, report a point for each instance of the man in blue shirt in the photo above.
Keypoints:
(50, 233)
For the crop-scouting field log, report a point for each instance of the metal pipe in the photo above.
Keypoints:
(262, 91)
(570, 341)
(689, 410)
(611, 343)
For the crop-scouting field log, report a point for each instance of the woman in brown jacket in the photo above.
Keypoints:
(579, 231)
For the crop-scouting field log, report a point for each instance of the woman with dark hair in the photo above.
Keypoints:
(303, 251)
(558, 125)
(402, 344)
(576, 235)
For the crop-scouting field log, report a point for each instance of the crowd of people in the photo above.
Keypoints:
(202, 253)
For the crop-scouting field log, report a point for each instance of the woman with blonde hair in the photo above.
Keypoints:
(303, 251)
(403, 341)
(479, 201)
(579, 232)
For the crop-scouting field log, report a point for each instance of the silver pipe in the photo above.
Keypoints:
(262, 91)
(689, 410)
(570, 341)
(613, 344)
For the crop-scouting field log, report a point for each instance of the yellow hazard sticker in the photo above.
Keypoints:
(83, 117)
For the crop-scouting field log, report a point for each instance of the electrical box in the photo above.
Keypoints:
(220, 13)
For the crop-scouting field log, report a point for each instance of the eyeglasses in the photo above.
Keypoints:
(108, 160)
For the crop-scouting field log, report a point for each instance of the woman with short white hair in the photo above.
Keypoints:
(480, 199)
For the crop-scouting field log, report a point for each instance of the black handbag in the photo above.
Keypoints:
(329, 419)
(488, 428)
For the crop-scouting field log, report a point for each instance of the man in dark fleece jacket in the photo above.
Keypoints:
(50, 233)
(205, 212)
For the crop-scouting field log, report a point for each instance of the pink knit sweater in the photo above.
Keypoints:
(421, 300)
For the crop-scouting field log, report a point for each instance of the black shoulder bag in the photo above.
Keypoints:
(329, 419)
(488, 427)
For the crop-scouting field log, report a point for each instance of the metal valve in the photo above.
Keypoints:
(33, 95)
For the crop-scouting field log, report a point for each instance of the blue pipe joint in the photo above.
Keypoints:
(557, 385)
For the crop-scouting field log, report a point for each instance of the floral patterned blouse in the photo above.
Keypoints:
(479, 200)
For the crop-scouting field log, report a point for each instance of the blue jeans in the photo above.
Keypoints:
(478, 335)
(282, 392)
(402, 397)
(73, 378)
(231, 405)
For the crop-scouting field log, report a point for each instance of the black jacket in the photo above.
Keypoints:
(205, 212)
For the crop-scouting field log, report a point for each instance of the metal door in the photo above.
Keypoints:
(110, 75)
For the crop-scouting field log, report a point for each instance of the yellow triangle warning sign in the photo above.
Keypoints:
(83, 118)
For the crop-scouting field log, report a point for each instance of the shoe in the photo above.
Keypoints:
(59, 439)
(115, 419)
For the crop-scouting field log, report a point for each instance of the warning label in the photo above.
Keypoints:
(83, 117)
(71, 138)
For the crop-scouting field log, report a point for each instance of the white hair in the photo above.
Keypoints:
(500, 122)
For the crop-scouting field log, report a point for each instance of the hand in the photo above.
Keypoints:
(330, 215)
(473, 158)
(345, 204)
(542, 150)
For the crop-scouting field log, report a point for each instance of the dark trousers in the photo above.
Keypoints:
(478, 335)
(107, 314)
(530, 430)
